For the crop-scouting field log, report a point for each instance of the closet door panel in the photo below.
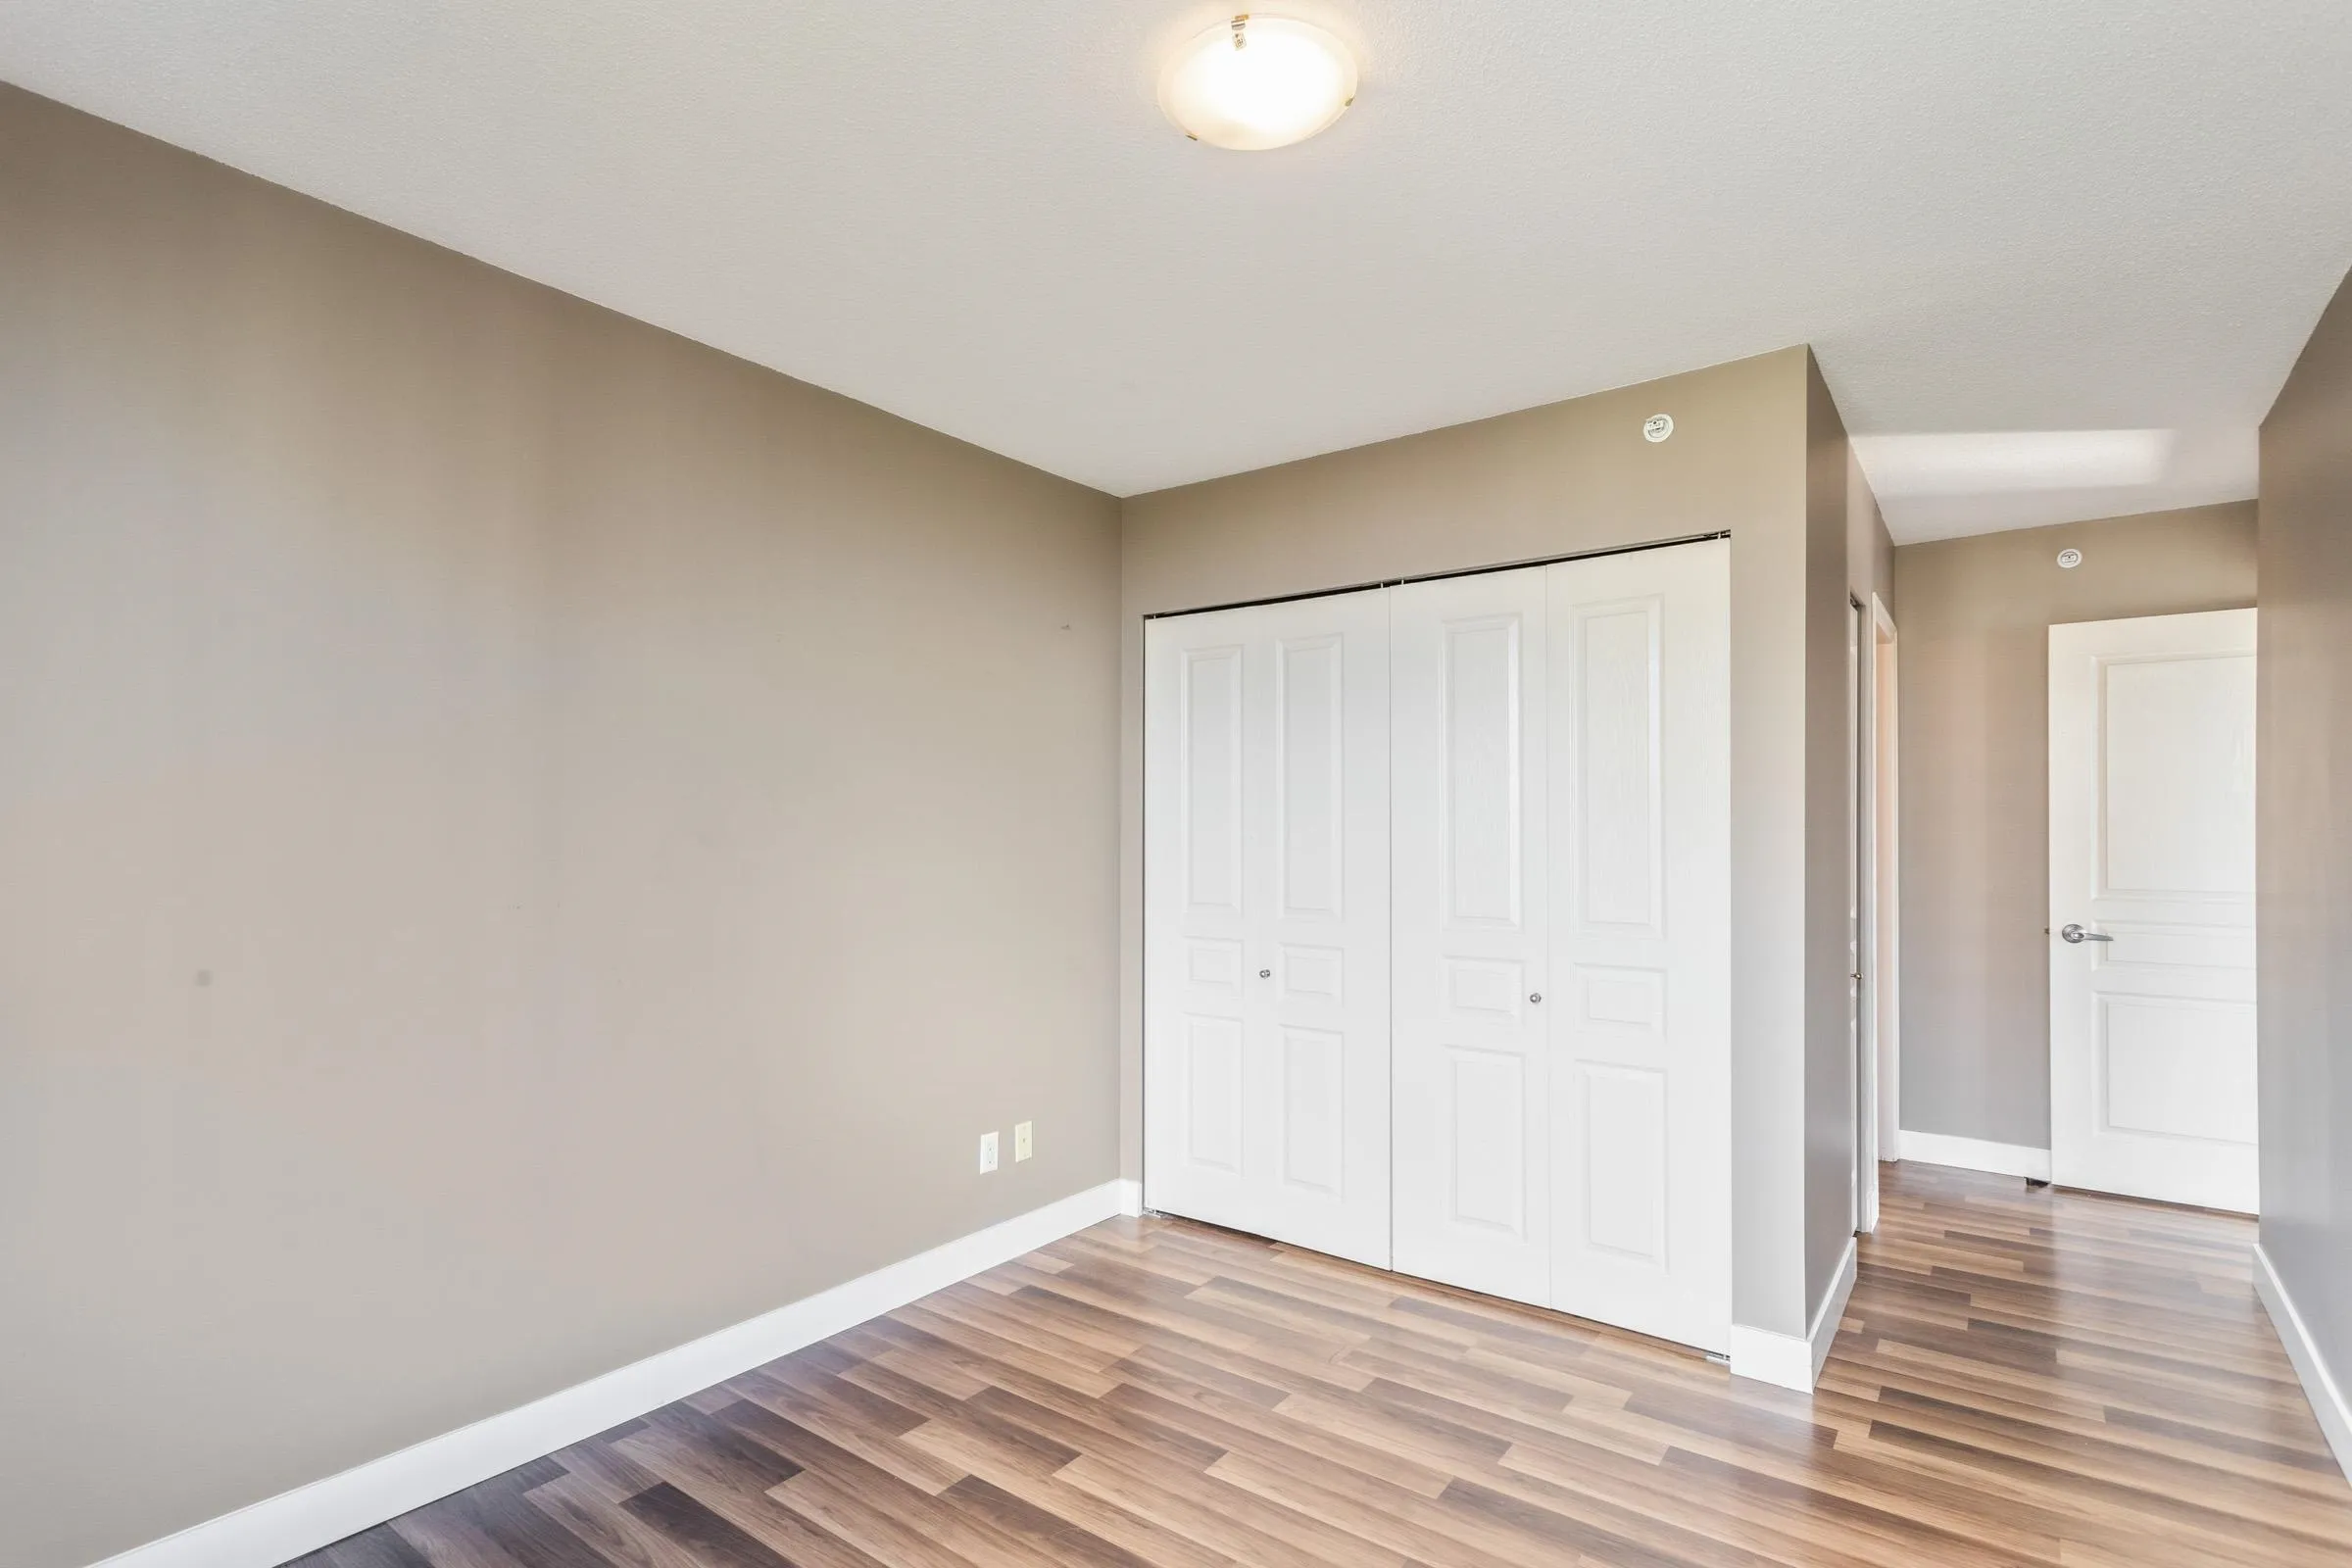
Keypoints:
(1640, 731)
(1196, 953)
(1267, 1031)
(1472, 1200)
(1320, 1041)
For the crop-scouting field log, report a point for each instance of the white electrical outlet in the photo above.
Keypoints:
(1021, 1142)
(988, 1152)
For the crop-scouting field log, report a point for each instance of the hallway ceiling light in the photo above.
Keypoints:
(1257, 82)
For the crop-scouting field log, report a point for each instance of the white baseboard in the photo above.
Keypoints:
(292, 1523)
(2319, 1387)
(1785, 1359)
(1767, 1356)
(1976, 1154)
(1131, 1197)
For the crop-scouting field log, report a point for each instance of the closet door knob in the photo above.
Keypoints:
(1535, 996)
(1266, 974)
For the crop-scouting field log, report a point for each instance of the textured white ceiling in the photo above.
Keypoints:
(1998, 214)
(1943, 485)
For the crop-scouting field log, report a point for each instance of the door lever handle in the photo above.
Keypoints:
(2075, 933)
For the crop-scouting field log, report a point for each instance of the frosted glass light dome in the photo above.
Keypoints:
(1257, 82)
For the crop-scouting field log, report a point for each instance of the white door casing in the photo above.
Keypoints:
(1472, 1073)
(1639, 710)
(1885, 967)
(1266, 921)
(2153, 1086)
(1864, 1084)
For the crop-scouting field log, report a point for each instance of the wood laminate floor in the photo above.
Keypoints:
(2035, 1377)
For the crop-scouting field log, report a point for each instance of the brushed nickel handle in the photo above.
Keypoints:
(2075, 933)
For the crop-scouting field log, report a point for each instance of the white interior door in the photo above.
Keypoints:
(1639, 739)
(1266, 1069)
(2152, 907)
(1472, 1075)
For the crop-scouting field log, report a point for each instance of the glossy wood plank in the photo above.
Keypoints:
(2021, 1376)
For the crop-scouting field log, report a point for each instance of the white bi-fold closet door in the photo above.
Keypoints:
(1437, 940)
(1266, 920)
(1560, 740)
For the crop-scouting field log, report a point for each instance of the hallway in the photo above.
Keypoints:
(2023, 1377)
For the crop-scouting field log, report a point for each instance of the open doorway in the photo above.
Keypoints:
(1875, 903)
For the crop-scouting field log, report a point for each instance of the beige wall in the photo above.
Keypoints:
(1973, 648)
(533, 840)
(1846, 551)
(1870, 549)
(2304, 843)
(525, 840)
(1547, 481)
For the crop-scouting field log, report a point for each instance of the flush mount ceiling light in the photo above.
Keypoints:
(1257, 82)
